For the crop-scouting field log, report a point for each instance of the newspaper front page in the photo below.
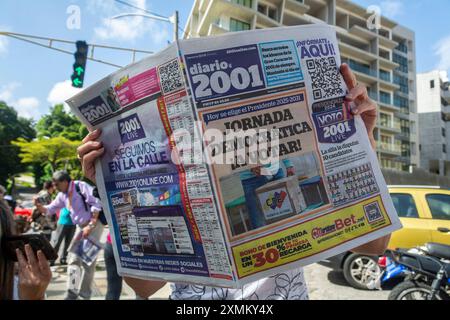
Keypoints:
(233, 158)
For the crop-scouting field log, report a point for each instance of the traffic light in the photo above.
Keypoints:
(79, 67)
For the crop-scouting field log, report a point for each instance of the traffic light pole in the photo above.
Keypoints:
(51, 41)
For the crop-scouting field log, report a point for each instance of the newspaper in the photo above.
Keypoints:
(232, 158)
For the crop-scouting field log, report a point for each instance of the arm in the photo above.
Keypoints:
(367, 109)
(88, 152)
(53, 207)
(144, 288)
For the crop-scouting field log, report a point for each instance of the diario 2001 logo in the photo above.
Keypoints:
(225, 72)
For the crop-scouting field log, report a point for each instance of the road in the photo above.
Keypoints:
(323, 283)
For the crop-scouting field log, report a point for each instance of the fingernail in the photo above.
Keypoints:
(349, 96)
(355, 111)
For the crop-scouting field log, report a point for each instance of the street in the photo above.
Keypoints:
(323, 283)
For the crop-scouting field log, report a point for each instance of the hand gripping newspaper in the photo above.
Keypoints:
(232, 158)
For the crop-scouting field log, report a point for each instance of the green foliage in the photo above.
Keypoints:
(12, 127)
(59, 123)
(57, 151)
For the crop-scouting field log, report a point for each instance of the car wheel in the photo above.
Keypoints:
(360, 271)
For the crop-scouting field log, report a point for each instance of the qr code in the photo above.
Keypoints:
(171, 77)
(325, 78)
(373, 212)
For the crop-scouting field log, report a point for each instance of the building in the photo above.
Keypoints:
(433, 101)
(384, 59)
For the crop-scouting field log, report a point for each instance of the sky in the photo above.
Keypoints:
(33, 78)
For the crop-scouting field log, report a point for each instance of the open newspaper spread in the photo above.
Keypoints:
(232, 158)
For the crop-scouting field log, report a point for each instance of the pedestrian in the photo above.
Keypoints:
(268, 288)
(84, 211)
(34, 273)
(45, 224)
(64, 232)
(114, 281)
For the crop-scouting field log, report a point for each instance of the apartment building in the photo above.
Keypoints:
(433, 102)
(383, 59)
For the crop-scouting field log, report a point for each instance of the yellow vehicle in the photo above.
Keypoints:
(425, 214)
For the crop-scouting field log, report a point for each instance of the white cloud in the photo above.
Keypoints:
(442, 51)
(27, 107)
(128, 28)
(62, 91)
(7, 91)
(391, 9)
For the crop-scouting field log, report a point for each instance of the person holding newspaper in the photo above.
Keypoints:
(84, 209)
(268, 288)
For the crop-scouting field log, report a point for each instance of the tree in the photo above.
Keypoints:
(58, 152)
(12, 127)
(59, 123)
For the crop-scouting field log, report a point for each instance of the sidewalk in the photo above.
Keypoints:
(57, 288)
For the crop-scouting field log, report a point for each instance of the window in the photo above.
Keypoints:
(402, 61)
(245, 3)
(404, 205)
(273, 13)
(444, 148)
(443, 132)
(262, 8)
(401, 102)
(439, 206)
(432, 84)
(237, 25)
(385, 75)
(385, 97)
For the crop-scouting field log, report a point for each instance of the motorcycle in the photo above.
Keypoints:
(425, 272)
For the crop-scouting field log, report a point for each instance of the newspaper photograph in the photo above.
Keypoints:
(232, 158)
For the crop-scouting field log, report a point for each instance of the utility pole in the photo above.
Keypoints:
(175, 25)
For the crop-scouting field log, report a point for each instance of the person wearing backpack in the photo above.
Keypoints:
(84, 208)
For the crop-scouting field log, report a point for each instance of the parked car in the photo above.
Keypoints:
(24, 208)
(425, 214)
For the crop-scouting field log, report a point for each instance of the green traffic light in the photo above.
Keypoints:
(79, 70)
(77, 82)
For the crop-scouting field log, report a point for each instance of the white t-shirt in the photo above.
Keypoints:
(288, 285)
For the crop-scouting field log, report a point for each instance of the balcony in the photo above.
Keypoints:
(403, 135)
(215, 29)
(353, 51)
(390, 148)
(370, 35)
(392, 125)
(387, 106)
(391, 164)
(446, 94)
(297, 6)
(363, 72)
